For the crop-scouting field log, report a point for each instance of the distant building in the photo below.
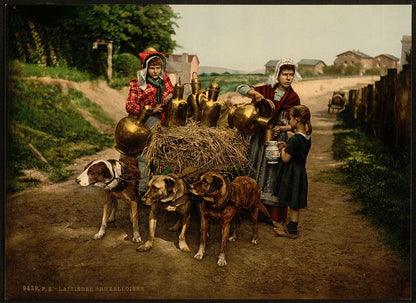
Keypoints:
(406, 46)
(315, 66)
(270, 66)
(351, 58)
(385, 61)
(182, 66)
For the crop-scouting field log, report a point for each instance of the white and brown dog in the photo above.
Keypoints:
(222, 200)
(169, 193)
(118, 178)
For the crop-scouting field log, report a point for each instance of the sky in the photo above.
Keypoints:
(245, 37)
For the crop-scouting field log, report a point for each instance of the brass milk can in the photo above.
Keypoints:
(131, 133)
(177, 107)
(249, 118)
(194, 111)
(210, 106)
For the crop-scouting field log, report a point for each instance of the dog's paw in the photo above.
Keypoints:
(199, 256)
(232, 239)
(145, 247)
(184, 247)
(98, 236)
(254, 241)
(221, 260)
(137, 238)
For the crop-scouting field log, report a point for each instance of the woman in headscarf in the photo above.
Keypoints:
(279, 90)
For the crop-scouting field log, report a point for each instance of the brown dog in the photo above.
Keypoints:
(221, 200)
(167, 192)
(119, 179)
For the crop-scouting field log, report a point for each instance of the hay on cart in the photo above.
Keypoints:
(203, 148)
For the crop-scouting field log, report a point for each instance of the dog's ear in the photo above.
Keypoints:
(170, 184)
(106, 173)
(217, 182)
(88, 165)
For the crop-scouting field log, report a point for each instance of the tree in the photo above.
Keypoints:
(52, 34)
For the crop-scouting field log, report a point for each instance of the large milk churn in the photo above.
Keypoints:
(177, 107)
(249, 118)
(210, 106)
(131, 133)
(194, 111)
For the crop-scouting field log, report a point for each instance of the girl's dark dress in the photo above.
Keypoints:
(291, 184)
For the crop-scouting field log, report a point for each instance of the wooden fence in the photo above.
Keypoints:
(385, 107)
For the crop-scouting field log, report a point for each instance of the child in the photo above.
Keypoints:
(152, 87)
(292, 185)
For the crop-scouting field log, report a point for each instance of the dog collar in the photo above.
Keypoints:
(116, 172)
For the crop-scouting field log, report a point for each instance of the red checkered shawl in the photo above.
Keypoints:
(137, 98)
(289, 99)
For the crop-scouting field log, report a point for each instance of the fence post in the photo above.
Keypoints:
(389, 87)
(402, 108)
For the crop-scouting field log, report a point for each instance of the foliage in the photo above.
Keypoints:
(409, 56)
(354, 69)
(229, 82)
(125, 67)
(332, 70)
(380, 180)
(56, 35)
(48, 119)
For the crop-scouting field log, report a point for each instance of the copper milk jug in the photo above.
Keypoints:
(194, 111)
(131, 133)
(210, 106)
(177, 107)
(249, 118)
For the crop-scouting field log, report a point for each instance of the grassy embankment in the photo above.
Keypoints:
(380, 180)
(47, 118)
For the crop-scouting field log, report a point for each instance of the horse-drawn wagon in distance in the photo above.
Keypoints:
(337, 102)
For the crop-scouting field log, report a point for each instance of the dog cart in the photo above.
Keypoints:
(337, 102)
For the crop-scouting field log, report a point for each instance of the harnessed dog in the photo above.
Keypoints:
(119, 179)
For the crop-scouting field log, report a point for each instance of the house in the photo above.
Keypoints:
(270, 66)
(386, 61)
(351, 58)
(182, 66)
(315, 66)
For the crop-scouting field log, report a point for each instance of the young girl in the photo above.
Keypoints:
(292, 184)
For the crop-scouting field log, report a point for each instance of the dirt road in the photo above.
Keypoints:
(50, 253)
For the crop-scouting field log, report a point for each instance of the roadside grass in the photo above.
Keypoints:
(47, 118)
(379, 178)
(60, 72)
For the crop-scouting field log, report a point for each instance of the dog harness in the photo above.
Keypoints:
(115, 171)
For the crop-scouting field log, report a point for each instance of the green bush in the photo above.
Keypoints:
(126, 65)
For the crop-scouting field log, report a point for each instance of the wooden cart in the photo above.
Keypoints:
(337, 102)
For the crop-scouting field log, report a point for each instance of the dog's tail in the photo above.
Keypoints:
(263, 209)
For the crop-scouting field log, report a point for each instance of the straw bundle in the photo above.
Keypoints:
(204, 148)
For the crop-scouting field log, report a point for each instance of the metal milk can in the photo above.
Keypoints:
(177, 107)
(131, 133)
(249, 118)
(272, 152)
(194, 111)
(210, 106)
